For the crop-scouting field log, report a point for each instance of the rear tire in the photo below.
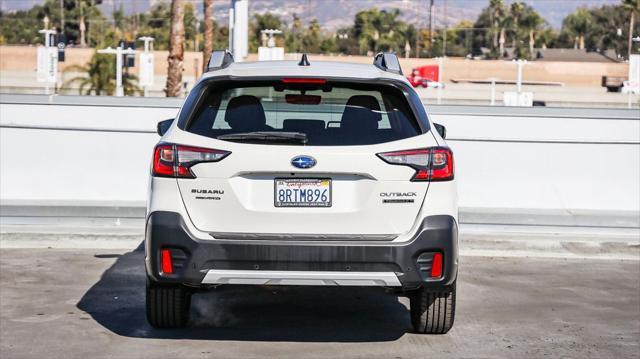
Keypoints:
(167, 305)
(433, 311)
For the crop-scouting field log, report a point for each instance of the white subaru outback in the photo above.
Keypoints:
(291, 173)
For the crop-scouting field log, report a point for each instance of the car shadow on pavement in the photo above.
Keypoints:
(248, 313)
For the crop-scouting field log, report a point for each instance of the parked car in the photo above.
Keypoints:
(287, 173)
(426, 76)
(613, 83)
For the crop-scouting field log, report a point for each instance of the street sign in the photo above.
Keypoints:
(61, 47)
(146, 72)
(61, 43)
(47, 64)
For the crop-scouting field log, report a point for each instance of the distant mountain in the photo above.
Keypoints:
(334, 14)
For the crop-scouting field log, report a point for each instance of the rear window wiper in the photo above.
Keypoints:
(270, 136)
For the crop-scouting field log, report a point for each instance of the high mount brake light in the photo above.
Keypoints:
(304, 81)
(176, 160)
(431, 164)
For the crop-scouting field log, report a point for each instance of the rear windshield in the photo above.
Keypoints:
(327, 114)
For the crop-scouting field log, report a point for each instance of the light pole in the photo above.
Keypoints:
(520, 64)
(493, 90)
(440, 78)
(119, 51)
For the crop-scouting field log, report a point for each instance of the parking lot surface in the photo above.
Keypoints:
(89, 303)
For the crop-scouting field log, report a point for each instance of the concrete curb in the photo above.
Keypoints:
(475, 240)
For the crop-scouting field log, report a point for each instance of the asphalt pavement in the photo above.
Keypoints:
(89, 303)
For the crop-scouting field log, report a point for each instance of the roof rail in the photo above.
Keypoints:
(387, 61)
(219, 60)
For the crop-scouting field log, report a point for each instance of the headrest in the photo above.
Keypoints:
(245, 113)
(361, 112)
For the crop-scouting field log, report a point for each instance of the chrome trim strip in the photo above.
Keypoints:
(318, 278)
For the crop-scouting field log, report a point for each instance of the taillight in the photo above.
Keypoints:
(176, 160)
(431, 164)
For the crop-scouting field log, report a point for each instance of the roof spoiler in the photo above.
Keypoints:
(219, 60)
(387, 61)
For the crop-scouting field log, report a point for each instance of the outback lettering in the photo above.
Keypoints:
(398, 194)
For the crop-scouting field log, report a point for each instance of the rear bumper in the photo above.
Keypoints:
(259, 261)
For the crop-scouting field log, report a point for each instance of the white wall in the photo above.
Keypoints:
(505, 163)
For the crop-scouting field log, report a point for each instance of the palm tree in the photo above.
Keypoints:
(100, 79)
(633, 6)
(496, 15)
(515, 14)
(176, 50)
(208, 32)
(532, 22)
(578, 24)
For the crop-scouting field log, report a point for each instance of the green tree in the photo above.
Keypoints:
(378, 30)
(100, 77)
(600, 29)
(497, 19)
(262, 22)
(460, 39)
(633, 7)
(577, 25)
(312, 38)
(191, 28)
(516, 11)
(157, 24)
(489, 31)
(21, 27)
(532, 24)
(293, 37)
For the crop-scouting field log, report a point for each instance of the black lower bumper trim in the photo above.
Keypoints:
(167, 230)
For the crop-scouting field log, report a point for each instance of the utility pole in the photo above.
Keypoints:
(446, 27)
(62, 16)
(440, 78)
(631, 21)
(119, 51)
(418, 30)
(431, 28)
(520, 64)
(82, 26)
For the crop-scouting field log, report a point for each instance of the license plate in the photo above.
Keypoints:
(302, 192)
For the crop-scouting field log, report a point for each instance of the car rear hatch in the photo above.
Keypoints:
(262, 179)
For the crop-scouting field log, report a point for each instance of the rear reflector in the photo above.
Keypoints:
(167, 265)
(431, 164)
(175, 160)
(436, 266)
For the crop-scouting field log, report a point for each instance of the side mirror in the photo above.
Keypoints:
(441, 130)
(163, 126)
